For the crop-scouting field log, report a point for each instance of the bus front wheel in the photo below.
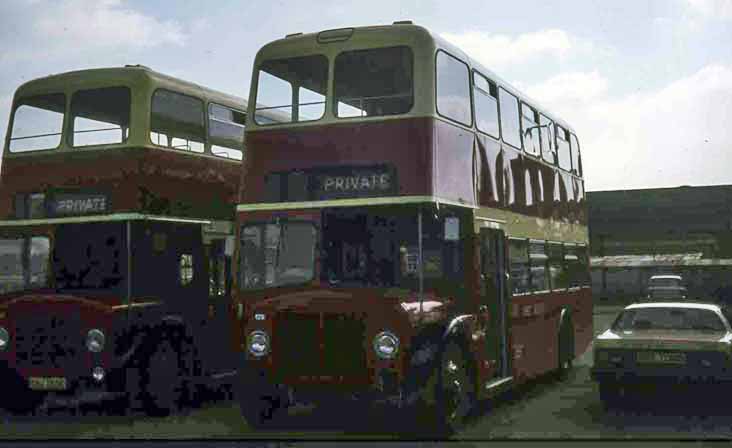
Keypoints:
(455, 392)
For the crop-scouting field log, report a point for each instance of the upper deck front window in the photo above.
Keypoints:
(100, 116)
(291, 90)
(373, 82)
(37, 123)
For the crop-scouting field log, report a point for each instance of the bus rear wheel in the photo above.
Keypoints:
(165, 391)
(455, 392)
(261, 404)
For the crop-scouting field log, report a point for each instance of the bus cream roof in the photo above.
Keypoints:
(130, 75)
(388, 34)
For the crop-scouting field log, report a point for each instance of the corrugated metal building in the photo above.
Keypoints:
(638, 233)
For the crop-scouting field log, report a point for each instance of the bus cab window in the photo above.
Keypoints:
(100, 116)
(186, 269)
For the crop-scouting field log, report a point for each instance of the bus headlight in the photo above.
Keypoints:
(4, 339)
(386, 345)
(95, 340)
(258, 343)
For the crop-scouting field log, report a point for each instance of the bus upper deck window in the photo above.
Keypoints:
(226, 131)
(453, 88)
(37, 123)
(576, 159)
(530, 125)
(373, 82)
(291, 90)
(563, 152)
(100, 116)
(176, 121)
(548, 151)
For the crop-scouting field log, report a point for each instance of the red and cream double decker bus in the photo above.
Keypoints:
(118, 188)
(412, 231)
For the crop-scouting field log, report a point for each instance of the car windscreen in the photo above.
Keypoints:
(669, 318)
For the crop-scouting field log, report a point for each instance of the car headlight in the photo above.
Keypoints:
(4, 339)
(258, 343)
(95, 340)
(386, 345)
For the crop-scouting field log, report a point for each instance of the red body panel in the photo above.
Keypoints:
(432, 158)
(124, 174)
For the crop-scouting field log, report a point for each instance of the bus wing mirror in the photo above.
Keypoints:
(229, 246)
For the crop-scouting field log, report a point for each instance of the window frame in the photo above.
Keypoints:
(503, 134)
(184, 267)
(550, 139)
(537, 124)
(204, 111)
(70, 134)
(261, 224)
(209, 140)
(333, 99)
(526, 243)
(470, 90)
(21, 102)
(328, 81)
(556, 145)
(490, 82)
(576, 170)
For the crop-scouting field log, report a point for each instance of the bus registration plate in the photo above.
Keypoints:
(47, 383)
(661, 358)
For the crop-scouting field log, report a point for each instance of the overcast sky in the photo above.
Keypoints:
(646, 84)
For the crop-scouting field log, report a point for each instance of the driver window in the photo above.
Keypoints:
(186, 269)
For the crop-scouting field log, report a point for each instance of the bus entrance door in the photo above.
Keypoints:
(493, 309)
(220, 357)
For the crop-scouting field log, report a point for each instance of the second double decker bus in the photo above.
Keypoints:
(117, 195)
(413, 229)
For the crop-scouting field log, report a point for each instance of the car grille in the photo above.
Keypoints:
(43, 341)
(302, 348)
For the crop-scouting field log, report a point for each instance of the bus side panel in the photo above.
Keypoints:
(582, 318)
(534, 323)
(490, 174)
(454, 173)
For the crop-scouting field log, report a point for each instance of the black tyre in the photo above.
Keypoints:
(165, 387)
(261, 403)
(612, 396)
(455, 394)
(566, 350)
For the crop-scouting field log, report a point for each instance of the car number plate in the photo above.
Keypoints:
(661, 357)
(47, 383)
